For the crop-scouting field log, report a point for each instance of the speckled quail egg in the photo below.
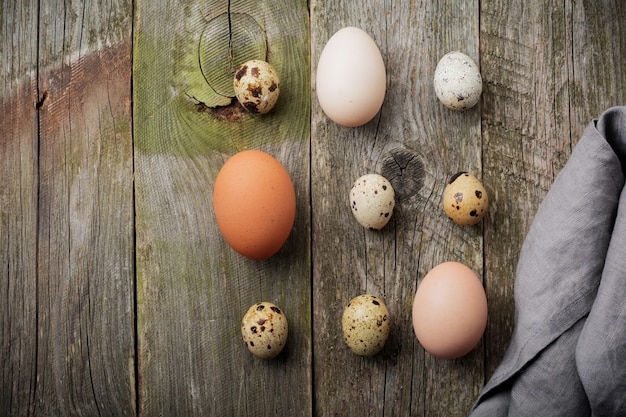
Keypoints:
(257, 86)
(264, 329)
(372, 201)
(457, 81)
(365, 324)
(465, 199)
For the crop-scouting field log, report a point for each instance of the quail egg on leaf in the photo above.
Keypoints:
(257, 86)
(372, 201)
(264, 329)
(465, 199)
(365, 324)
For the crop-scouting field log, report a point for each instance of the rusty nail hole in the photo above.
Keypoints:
(43, 100)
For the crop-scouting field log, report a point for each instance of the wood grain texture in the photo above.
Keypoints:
(193, 289)
(18, 208)
(68, 211)
(118, 295)
(548, 70)
(419, 144)
(85, 254)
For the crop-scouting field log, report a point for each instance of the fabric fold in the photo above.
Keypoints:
(570, 290)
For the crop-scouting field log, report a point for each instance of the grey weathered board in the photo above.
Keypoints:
(192, 288)
(67, 301)
(118, 296)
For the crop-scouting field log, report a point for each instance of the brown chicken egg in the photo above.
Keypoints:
(449, 310)
(254, 202)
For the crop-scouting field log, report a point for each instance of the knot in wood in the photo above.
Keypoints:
(227, 41)
(405, 171)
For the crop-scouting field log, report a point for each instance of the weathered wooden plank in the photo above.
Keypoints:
(69, 210)
(548, 69)
(597, 61)
(86, 249)
(525, 135)
(193, 289)
(18, 207)
(419, 144)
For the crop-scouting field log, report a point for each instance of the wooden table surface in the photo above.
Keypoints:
(118, 294)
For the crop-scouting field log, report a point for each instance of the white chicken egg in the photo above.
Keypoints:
(351, 78)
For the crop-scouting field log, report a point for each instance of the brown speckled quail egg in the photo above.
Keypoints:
(465, 199)
(264, 330)
(372, 201)
(365, 324)
(457, 81)
(257, 86)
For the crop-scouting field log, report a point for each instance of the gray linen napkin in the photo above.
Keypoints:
(567, 355)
